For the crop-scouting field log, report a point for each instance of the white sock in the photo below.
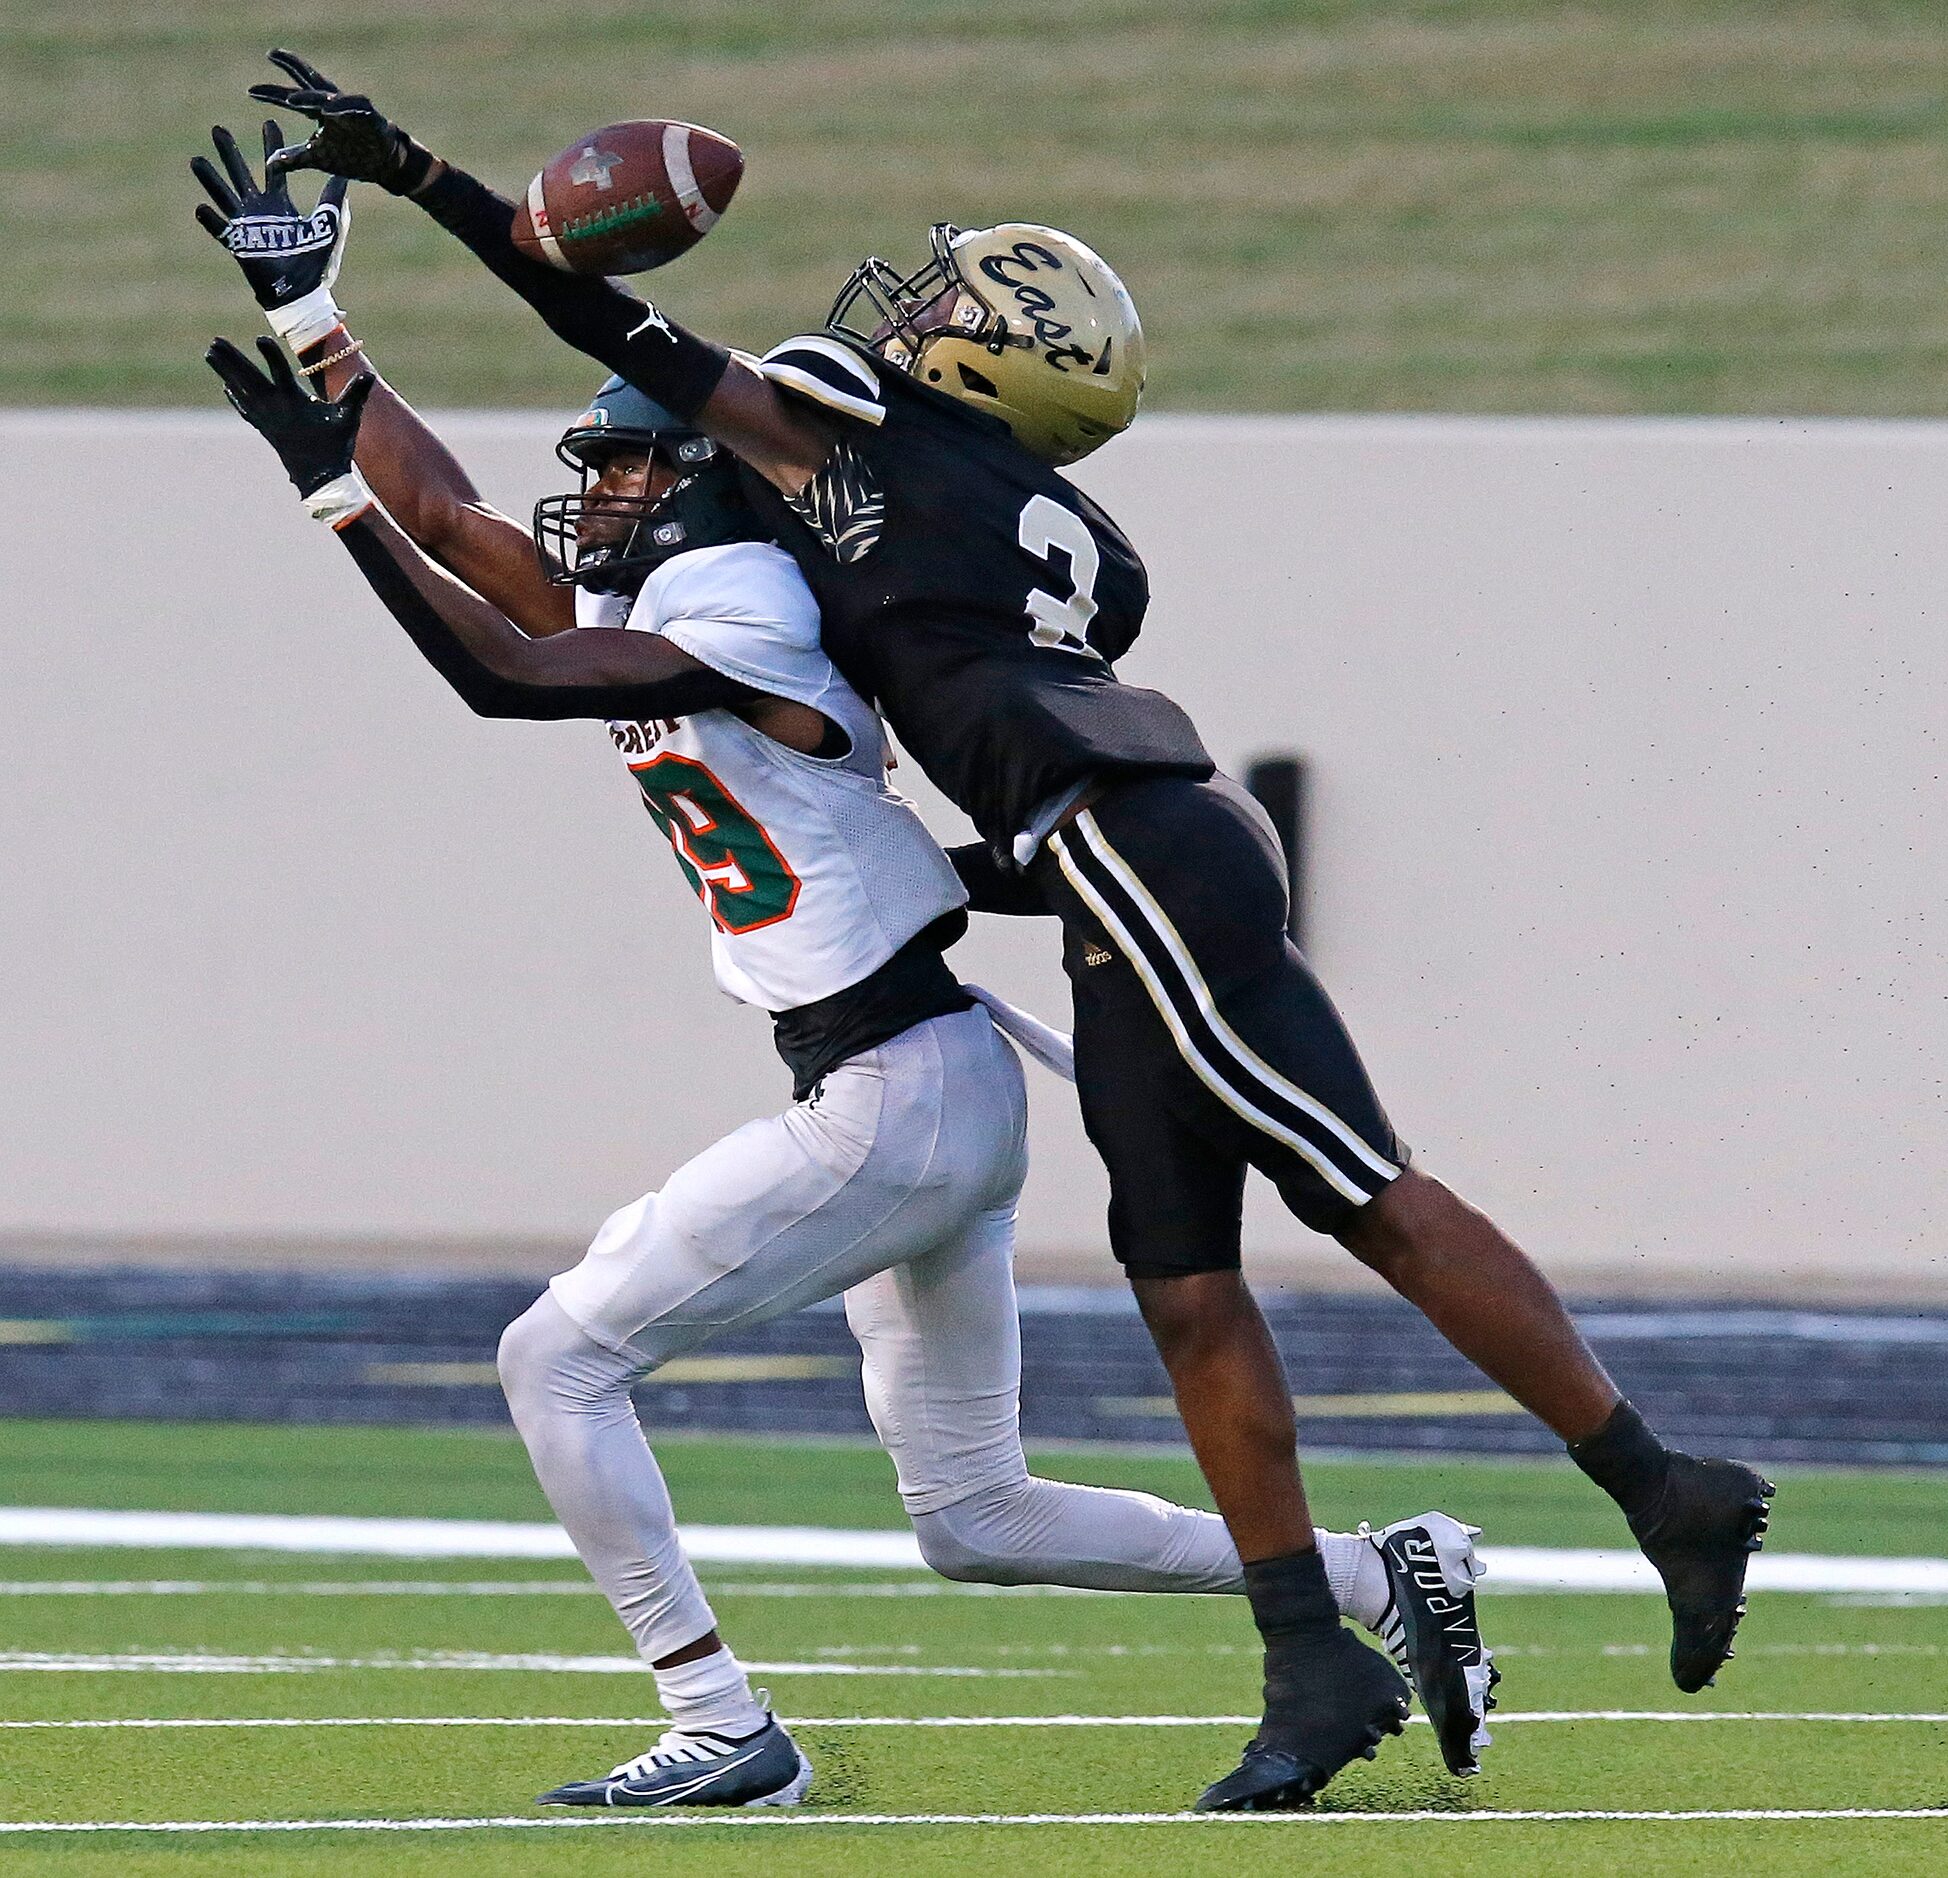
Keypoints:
(710, 1694)
(1356, 1574)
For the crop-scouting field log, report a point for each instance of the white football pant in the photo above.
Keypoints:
(895, 1182)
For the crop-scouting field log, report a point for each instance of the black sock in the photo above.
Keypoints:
(1295, 1613)
(1625, 1459)
(1290, 1597)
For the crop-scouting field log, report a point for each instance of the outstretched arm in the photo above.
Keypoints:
(694, 377)
(496, 669)
(499, 672)
(290, 261)
(429, 494)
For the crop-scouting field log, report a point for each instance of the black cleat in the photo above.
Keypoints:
(1338, 1702)
(1432, 1633)
(700, 1769)
(1707, 1522)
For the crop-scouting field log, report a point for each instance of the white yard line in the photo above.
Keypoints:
(1510, 1568)
(753, 1817)
(1503, 1717)
(1547, 1568)
(275, 1588)
(505, 1588)
(209, 1663)
(434, 1538)
(814, 1588)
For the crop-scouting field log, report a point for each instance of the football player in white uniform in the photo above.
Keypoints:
(654, 603)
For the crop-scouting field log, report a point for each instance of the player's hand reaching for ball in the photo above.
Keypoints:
(352, 139)
(314, 437)
(285, 254)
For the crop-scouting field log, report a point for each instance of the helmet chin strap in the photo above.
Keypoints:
(594, 572)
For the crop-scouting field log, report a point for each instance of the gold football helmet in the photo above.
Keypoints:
(1017, 320)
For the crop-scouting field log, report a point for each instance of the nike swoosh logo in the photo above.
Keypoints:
(674, 1796)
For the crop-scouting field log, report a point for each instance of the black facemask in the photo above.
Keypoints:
(701, 508)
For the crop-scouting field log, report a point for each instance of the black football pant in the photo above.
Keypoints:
(1203, 1043)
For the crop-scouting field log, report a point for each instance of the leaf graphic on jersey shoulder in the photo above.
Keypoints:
(843, 505)
(860, 535)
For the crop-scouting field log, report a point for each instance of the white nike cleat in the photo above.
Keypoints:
(700, 1768)
(1431, 1630)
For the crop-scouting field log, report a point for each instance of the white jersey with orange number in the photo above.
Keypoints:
(812, 870)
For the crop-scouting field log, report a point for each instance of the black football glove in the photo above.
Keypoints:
(285, 254)
(313, 437)
(352, 138)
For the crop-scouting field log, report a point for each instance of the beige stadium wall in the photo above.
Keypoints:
(1626, 741)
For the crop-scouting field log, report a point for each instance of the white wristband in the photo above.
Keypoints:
(304, 322)
(343, 499)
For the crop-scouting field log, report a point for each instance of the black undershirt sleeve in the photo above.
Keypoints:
(493, 695)
(993, 887)
(670, 363)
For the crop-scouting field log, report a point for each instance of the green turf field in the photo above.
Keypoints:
(517, 1664)
(1498, 205)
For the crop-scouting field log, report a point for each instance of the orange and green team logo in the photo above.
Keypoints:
(735, 867)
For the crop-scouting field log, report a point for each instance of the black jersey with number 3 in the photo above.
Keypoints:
(973, 593)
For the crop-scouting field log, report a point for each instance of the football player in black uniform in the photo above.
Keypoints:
(907, 457)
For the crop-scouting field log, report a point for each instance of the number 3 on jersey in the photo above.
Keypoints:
(1062, 625)
(735, 867)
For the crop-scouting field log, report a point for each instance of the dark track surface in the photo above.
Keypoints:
(1770, 1383)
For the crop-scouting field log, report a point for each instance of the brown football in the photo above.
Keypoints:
(628, 197)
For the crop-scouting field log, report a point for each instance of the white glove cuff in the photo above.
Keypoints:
(304, 322)
(343, 499)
